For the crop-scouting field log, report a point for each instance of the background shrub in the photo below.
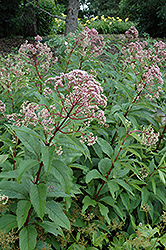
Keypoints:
(150, 15)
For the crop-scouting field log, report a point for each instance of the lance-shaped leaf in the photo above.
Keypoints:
(24, 166)
(62, 173)
(22, 212)
(29, 138)
(8, 222)
(56, 214)
(3, 158)
(104, 211)
(51, 227)
(105, 146)
(13, 190)
(104, 166)
(38, 198)
(27, 238)
(87, 201)
(94, 174)
(124, 185)
(47, 157)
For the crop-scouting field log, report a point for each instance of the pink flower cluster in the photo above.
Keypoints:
(13, 74)
(88, 43)
(83, 96)
(4, 199)
(149, 59)
(37, 48)
(80, 97)
(132, 33)
(89, 139)
(2, 107)
(35, 114)
(148, 137)
(89, 40)
(38, 54)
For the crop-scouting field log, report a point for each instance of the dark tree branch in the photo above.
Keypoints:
(46, 11)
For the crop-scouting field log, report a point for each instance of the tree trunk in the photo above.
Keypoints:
(72, 15)
(30, 26)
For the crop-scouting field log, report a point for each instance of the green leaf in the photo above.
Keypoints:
(104, 211)
(82, 147)
(133, 152)
(113, 187)
(94, 174)
(125, 88)
(76, 246)
(24, 166)
(105, 147)
(153, 185)
(47, 157)
(162, 160)
(124, 185)
(22, 212)
(13, 190)
(125, 199)
(62, 173)
(3, 158)
(9, 174)
(96, 240)
(8, 222)
(145, 196)
(29, 138)
(38, 198)
(78, 166)
(98, 150)
(162, 176)
(87, 201)
(133, 222)
(27, 238)
(104, 166)
(161, 196)
(56, 214)
(51, 227)
(163, 240)
(41, 245)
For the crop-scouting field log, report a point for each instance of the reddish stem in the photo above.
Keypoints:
(114, 162)
(29, 213)
(35, 61)
(38, 173)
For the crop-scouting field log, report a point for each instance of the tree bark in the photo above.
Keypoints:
(30, 26)
(72, 16)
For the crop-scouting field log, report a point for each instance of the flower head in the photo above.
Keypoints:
(2, 107)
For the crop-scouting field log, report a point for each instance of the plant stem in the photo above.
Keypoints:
(27, 220)
(115, 161)
(38, 173)
(35, 61)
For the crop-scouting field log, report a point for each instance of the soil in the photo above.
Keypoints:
(8, 45)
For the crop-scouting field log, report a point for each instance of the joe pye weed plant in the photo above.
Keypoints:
(82, 148)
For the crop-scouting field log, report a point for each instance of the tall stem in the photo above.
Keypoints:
(112, 165)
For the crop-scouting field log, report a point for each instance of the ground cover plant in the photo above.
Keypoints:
(83, 144)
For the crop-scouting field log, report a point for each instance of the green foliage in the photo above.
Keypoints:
(77, 173)
(9, 11)
(45, 22)
(100, 7)
(150, 15)
(108, 24)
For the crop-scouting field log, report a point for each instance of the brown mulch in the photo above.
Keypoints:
(8, 45)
